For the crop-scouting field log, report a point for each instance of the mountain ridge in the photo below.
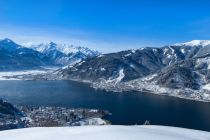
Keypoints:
(64, 54)
(18, 57)
(176, 70)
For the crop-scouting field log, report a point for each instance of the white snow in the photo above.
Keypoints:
(194, 43)
(3, 75)
(127, 55)
(165, 51)
(121, 75)
(102, 69)
(206, 87)
(6, 75)
(93, 110)
(149, 77)
(168, 56)
(132, 66)
(133, 51)
(172, 50)
(183, 51)
(201, 61)
(80, 63)
(173, 53)
(108, 132)
(90, 121)
(154, 50)
(101, 55)
(64, 48)
(63, 53)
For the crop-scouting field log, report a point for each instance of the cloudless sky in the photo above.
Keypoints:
(105, 25)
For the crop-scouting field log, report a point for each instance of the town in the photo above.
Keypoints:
(15, 116)
(61, 116)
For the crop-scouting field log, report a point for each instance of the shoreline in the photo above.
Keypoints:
(90, 84)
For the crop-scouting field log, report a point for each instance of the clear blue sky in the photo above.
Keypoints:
(106, 25)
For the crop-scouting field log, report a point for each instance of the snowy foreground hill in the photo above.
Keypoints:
(105, 133)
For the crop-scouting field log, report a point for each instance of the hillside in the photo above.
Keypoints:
(180, 70)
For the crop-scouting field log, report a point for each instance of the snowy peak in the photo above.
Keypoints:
(52, 44)
(17, 57)
(8, 45)
(59, 54)
(64, 48)
(6, 40)
(63, 54)
(194, 43)
(42, 47)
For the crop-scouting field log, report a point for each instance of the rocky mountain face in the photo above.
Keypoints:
(190, 73)
(16, 57)
(135, 63)
(181, 69)
(64, 54)
(174, 67)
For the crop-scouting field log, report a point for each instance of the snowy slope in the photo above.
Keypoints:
(194, 43)
(183, 70)
(105, 133)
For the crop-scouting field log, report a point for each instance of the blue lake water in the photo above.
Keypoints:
(127, 108)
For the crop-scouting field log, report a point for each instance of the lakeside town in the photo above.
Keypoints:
(12, 117)
(61, 116)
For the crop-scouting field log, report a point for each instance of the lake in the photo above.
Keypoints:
(127, 108)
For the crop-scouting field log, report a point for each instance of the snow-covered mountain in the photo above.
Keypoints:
(135, 63)
(64, 54)
(180, 70)
(16, 57)
(194, 43)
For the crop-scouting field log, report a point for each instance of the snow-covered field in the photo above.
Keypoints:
(109, 132)
(18, 75)
(7, 75)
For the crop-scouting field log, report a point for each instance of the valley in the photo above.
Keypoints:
(179, 70)
(104, 70)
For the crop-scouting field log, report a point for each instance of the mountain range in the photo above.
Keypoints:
(63, 54)
(18, 57)
(181, 70)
